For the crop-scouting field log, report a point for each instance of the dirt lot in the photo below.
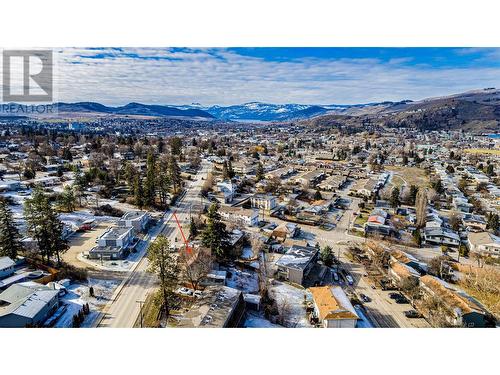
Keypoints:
(83, 241)
(408, 176)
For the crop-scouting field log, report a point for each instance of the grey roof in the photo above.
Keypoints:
(26, 299)
(213, 309)
(133, 215)
(6, 262)
(116, 233)
(297, 257)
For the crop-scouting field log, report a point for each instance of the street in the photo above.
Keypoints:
(123, 309)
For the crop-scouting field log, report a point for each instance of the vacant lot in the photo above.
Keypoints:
(408, 176)
(482, 151)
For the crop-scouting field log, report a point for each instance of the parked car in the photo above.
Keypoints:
(412, 314)
(402, 300)
(336, 277)
(185, 291)
(365, 298)
(395, 295)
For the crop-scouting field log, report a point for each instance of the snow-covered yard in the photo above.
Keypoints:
(255, 320)
(291, 300)
(244, 280)
(78, 294)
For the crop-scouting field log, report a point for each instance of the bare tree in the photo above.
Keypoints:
(421, 207)
(196, 265)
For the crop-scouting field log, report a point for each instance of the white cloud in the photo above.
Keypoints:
(213, 76)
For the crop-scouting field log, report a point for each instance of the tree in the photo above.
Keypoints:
(215, 236)
(10, 246)
(164, 264)
(410, 286)
(138, 192)
(417, 237)
(326, 256)
(44, 225)
(225, 171)
(455, 221)
(230, 169)
(493, 222)
(317, 195)
(196, 266)
(174, 173)
(413, 195)
(490, 170)
(193, 229)
(150, 181)
(421, 207)
(259, 174)
(176, 145)
(395, 202)
(67, 199)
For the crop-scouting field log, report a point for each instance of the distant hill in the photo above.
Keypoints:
(131, 109)
(477, 110)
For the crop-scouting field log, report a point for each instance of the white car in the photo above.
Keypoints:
(185, 291)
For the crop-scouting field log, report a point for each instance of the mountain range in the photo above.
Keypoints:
(477, 109)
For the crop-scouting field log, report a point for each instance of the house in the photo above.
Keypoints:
(333, 308)
(227, 189)
(285, 230)
(296, 263)
(474, 223)
(463, 310)
(113, 244)
(399, 271)
(6, 267)
(261, 201)
(484, 243)
(10, 185)
(241, 215)
(219, 307)
(333, 183)
(441, 236)
(27, 305)
(215, 277)
(135, 219)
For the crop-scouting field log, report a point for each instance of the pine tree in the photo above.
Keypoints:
(164, 263)
(193, 229)
(259, 174)
(230, 169)
(225, 171)
(150, 182)
(215, 235)
(138, 193)
(44, 225)
(174, 173)
(10, 245)
(326, 255)
(395, 202)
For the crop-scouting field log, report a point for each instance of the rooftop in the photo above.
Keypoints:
(332, 303)
(297, 257)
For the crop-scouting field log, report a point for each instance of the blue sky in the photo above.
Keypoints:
(226, 76)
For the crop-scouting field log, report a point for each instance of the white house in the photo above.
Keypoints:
(135, 219)
(6, 267)
(240, 215)
(266, 202)
(484, 243)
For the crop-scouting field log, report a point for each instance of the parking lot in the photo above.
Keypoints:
(83, 242)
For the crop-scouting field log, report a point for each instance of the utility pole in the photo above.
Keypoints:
(141, 303)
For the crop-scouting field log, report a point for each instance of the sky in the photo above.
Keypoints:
(229, 76)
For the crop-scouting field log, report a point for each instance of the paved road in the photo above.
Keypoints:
(123, 309)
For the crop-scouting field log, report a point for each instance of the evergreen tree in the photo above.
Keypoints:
(164, 264)
(10, 246)
(230, 169)
(259, 174)
(174, 173)
(413, 195)
(317, 195)
(395, 202)
(138, 192)
(225, 171)
(150, 182)
(326, 256)
(44, 225)
(215, 235)
(66, 199)
(193, 229)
